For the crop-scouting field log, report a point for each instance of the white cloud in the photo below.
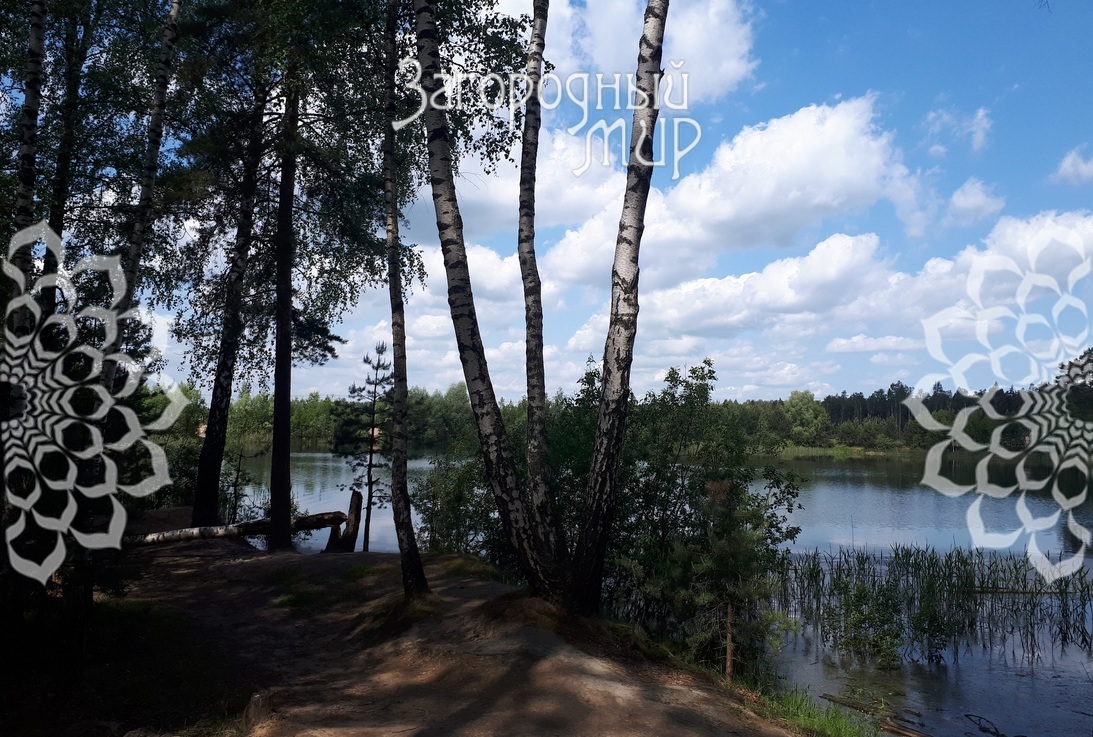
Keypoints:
(862, 342)
(775, 178)
(833, 272)
(978, 128)
(892, 359)
(971, 203)
(713, 39)
(489, 203)
(951, 124)
(1073, 169)
(795, 323)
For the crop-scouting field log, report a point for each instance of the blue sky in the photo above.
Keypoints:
(856, 161)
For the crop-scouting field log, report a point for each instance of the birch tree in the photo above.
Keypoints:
(618, 354)
(537, 484)
(528, 533)
(413, 573)
(525, 508)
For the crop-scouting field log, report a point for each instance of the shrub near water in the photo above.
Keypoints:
(697, 529)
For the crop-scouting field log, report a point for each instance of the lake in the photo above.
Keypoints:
(871, 502)
(319, 482)
(875, 502)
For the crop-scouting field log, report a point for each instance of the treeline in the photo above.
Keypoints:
(437, 421)
(440, 422)
(880, 420)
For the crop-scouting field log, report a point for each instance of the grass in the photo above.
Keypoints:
(306, 592)
(388, 616)
(816, 720)
(838, 452)
(458, 565)
(843, 452)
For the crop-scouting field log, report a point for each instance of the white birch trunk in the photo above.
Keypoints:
(619, 348)
(538, 562)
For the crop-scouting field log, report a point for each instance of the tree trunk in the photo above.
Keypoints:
(537, 558)
(536, 452)
(353, 525)
(618, 353)
(148, 175)
(207, 493)
(76, 46)
(28, 129)
(346, 541)
(79, 587)
(413, 573)
(280, 492)
(13, 588)
(370, 480)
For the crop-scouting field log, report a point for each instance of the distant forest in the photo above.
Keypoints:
(441, 422)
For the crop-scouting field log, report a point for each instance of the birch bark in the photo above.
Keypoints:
(538, 561)
(618, 354)
(538, 482)
(413, 573)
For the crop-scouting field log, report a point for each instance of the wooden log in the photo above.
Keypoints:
(853, 704)
(243, 529)
(899, 730)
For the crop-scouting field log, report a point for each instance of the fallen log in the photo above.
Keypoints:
(243, 529)
(899, 730)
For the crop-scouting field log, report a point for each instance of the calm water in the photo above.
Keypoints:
(318, 485)
(871, 502)
(876, 502)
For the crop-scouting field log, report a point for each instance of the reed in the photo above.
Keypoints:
(919, 604)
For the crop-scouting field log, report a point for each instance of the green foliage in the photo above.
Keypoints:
(458, 514)
(181, 443)
(441, 422)
(697, 528)
(313, 418)
(809, 423)
(361, 434)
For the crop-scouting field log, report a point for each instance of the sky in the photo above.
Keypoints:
(874, 192)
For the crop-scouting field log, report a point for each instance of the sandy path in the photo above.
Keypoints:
(468, 662)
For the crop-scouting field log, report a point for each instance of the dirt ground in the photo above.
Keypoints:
(329, 649)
